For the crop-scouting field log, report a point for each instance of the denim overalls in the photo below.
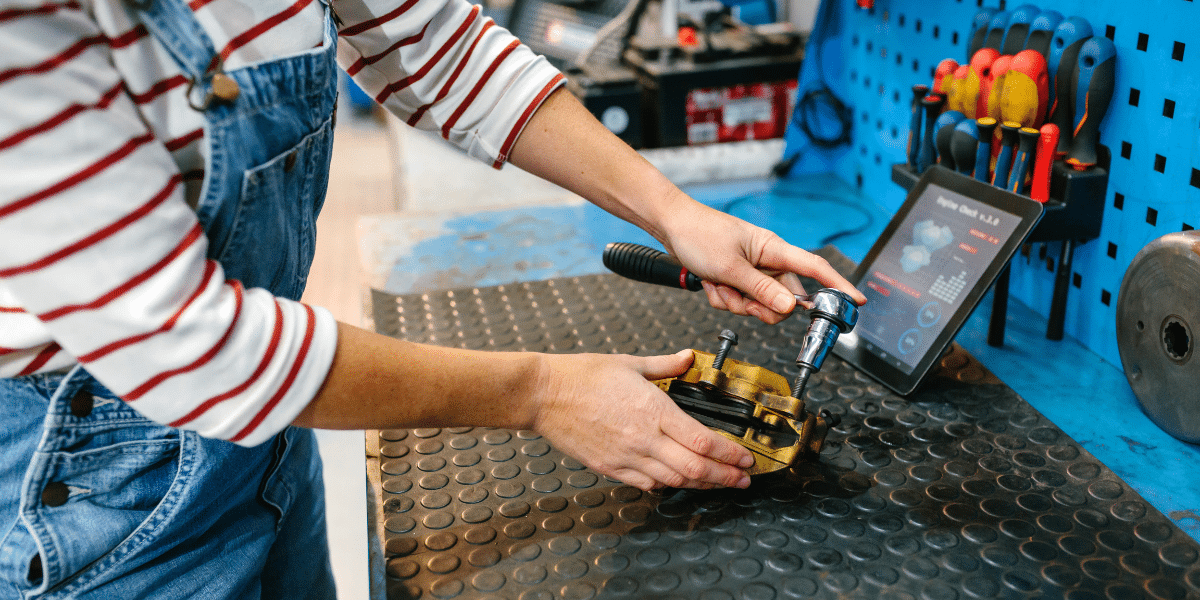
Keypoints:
(95, 499)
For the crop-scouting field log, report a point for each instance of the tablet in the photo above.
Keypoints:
(925, 274)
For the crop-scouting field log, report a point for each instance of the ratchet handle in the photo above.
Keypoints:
(645, 264)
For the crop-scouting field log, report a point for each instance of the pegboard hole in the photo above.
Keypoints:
(1169, 109)
(1187, 227)
(1077, 280)
(1110, 32)
(1196, 178)
(1177, 52)
(1105, 297)
(937, 31)
(1126, 149)
(1118, 200)
(1177, 339)
(1160, 163)
(1143, 42)
(1152, 216)
(1112, 250)
(1134, 96)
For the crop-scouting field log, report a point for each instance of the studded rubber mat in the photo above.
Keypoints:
(961, 490)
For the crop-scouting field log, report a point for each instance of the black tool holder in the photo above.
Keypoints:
(1072, 216)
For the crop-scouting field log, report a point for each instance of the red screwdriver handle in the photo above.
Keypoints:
(1047, 145)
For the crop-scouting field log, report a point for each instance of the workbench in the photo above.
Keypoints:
(1021, 471)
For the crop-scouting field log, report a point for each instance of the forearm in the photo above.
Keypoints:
(377, 382)
(598, 166)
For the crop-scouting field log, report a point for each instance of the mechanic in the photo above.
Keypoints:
(163, 164)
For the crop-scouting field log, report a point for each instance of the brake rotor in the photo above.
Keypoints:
(1158, 319)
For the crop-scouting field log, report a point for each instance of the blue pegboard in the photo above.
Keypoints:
(870, 59)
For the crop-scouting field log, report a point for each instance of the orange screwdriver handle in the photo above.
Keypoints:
(978, 82)
(991, 103)
(1026, 90)
(943, 75)
(1047, 145)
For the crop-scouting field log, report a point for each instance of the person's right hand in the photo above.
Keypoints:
(604, 411)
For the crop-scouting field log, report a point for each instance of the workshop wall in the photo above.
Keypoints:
(870, 59)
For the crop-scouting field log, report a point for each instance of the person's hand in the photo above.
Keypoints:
(747, 270)
(603, 411)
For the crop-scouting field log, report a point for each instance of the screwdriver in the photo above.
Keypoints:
(1093, 88)
(943, 132)
(991, 106)
(996, 30)
(1069, 37)
(964, 142)
(1047, 143)
(960, 97)
(986, 127)
(1008, 147)
(979, 31)
(1041, 31)
(943, 75)
(1027, 139)
(914, 130)
(1017, 29)
(979, 81)
(1026, 90)
(933, 107)
(833, 311)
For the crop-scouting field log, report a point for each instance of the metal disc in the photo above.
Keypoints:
(1158, 319)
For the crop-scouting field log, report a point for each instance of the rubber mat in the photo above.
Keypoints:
(960, 490)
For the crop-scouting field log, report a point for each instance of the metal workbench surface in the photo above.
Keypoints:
(960, 490)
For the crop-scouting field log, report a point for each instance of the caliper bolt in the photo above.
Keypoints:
(728, 341)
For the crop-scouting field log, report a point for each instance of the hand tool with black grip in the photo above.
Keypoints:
(964, 143)
(1044, 162)
(1027, 139)
(1061, 63)
(996, 29)
(986, 126)
(1017, 29)
(914, 130)
(647, 265)
(943, 132)
(1041, 31)
(1093, 89)
(979, 30)
(1008, 148)
(933, 107)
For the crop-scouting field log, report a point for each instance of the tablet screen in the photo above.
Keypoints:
(928, 270)
(920, 278)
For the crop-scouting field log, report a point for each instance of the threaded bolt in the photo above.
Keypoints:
(728, 341)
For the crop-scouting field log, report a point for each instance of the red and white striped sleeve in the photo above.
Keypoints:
(440, 65)
(103, 262)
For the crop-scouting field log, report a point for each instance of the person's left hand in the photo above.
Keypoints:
(747, 270)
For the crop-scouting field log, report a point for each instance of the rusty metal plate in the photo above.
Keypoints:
(960, 490)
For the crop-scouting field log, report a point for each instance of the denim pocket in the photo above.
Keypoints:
(88, 507)
(270, 242)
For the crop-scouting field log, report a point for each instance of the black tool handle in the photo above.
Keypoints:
(1094, 80)
(645, 264)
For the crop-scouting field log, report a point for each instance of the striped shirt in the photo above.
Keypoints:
(102, 260)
